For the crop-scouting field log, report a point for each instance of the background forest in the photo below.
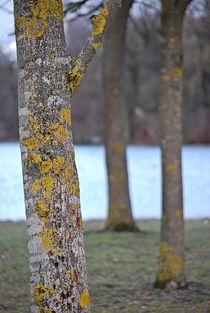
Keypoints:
(141, 81)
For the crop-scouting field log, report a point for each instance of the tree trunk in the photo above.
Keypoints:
(171, 266)
(134, 96)
(119, 216)
(54, 224)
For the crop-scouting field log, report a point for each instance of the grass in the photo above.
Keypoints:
(121, 270)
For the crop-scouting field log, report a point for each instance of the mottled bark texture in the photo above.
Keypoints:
(119, 215)
(54, 224)
(171, 266)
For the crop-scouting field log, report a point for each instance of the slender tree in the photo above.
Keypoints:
(204, 65)
(171, 265)
(119, 215)
(47, 76)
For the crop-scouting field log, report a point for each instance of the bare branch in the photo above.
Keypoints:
(90, 12)
(3, 7)
(99, 24)
(183, 5)
(73, 7)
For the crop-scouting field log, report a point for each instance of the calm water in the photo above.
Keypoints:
(144, 178)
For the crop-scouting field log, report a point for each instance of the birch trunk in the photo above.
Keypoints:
(171, 266)
(119, 214)
(54, 224)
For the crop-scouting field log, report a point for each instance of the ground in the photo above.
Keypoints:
(121, 270)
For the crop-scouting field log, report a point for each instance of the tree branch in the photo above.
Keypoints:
(75, 7)
(3, 8)
(88, 13)
(99, 23)
(183, 5)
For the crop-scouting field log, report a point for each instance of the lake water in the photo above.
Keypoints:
(144, 178)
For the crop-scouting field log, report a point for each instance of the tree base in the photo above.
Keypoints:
(170, 285)
(122, 227)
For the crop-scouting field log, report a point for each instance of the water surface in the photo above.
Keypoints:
(144, 177)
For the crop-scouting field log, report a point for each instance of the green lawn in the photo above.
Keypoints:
(121, 269)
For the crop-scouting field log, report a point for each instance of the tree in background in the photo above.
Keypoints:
(8, 92)
(142, 76)
(171, 265)
(119, 213)
(47, 76)
(204, 67)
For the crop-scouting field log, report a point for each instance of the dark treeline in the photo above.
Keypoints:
(141, 81)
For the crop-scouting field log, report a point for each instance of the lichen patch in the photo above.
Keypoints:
(84, 299)
(35, 25)
(99, 21)
(41, 292)
(170, 265)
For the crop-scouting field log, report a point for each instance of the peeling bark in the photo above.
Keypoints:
(171, 266)
(119, 216)
(51, 185)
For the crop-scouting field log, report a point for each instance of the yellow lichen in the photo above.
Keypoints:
(49, 56)
(65, 116)
(177, 72)
(69, 171)
(112, 179)
(48, 237)
(32, 119)
(58, 132)
(166, 77)
(44, 310)
(30, 143)
(41, 292)
(74, 188)
(46, 184)
(99, 21)
(76, 74)
(75, 79)
(36, 185)
(172, 166)
(35, 127)
(170, 265)
(118, 147)
(179, 213)
(42, 209)
(73, 184)
(73, 208)
(43, 9)
(45, 166)
(69, 275)
(32, 28)
(35, 25)
(58, 163)
(122, 205)
(35, 158)
(97, 45)
(84, 299)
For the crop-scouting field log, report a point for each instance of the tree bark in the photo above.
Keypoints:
(51, 185)
(171, 266)
(119, 215)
